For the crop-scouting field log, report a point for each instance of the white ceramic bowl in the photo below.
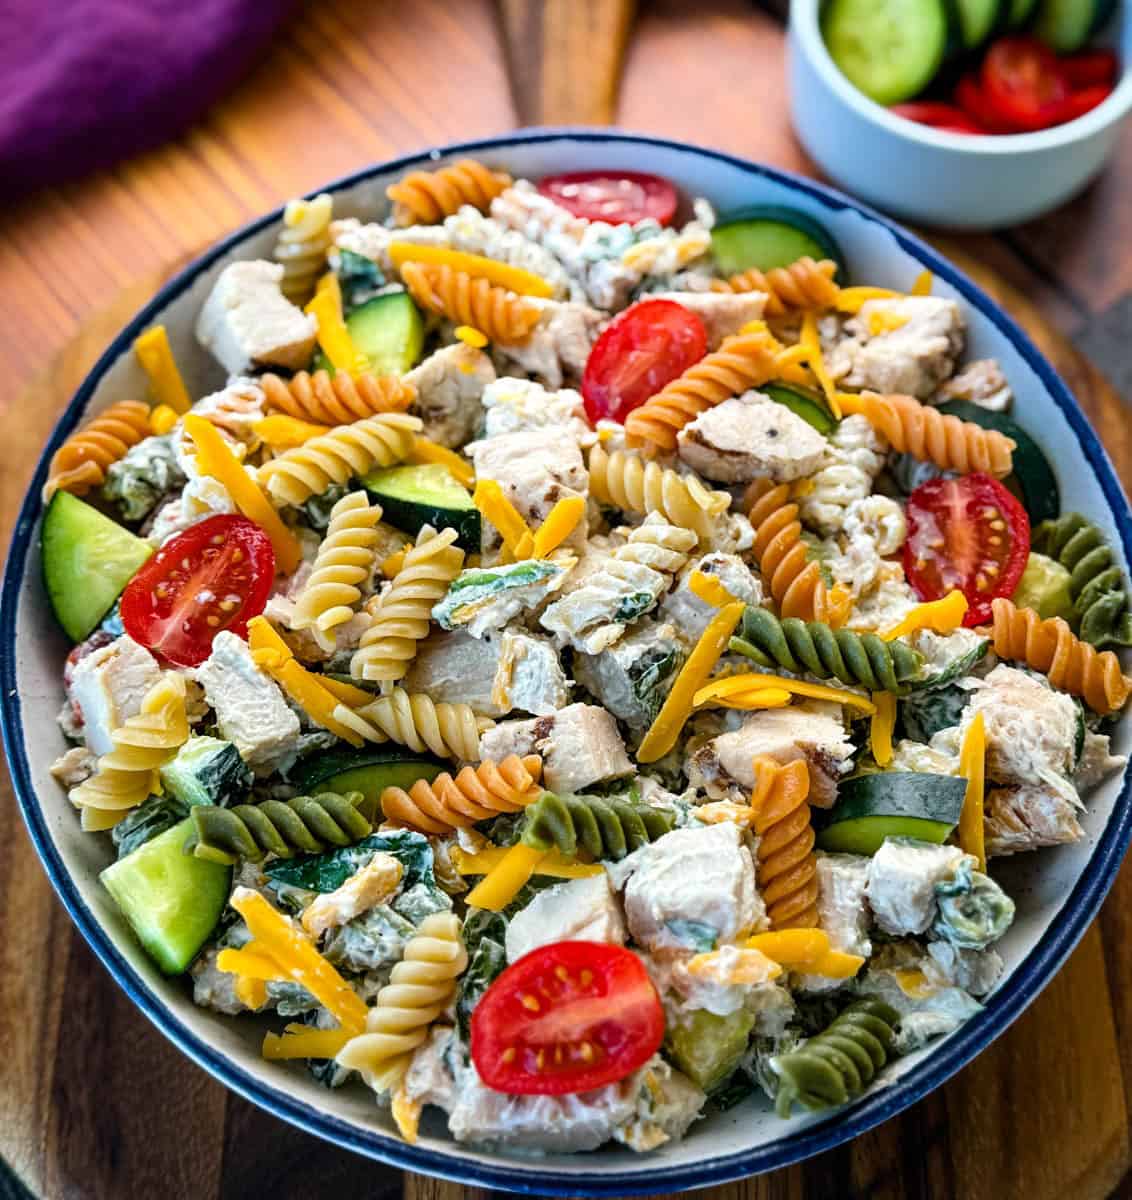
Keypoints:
(950, 180)
(1057, 891)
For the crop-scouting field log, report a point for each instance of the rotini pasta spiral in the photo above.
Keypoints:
(500, 315)
(605, 828)
(420, 988)
(80, 462)
(787, 870)
(794, 580)
(127, 776)
(855, 456)
(931, 436)
(840, 1062)
(474, 794)
(416, 721)
(402, 615)
(856, 659)
(743, 361)
(803, 285)
(340, 399)
(426, 197)
(1050, 647)
(302, 245)
(345, 560)
(633, 485)
(1096, 582)
(308, 470)
(304, 824)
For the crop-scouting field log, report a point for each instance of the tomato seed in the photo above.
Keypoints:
(998, 524)
(561, 973)
(981, 582)
(508, 1055)
(213, 621)
(586, 1051)
(540, 1059)
(587, 977)
(530, 1003)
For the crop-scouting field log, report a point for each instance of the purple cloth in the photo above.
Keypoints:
(84, 83)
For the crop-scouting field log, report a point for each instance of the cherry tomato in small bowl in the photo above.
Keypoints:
(643, 348)
(948, 117)
(1091, 68)
(568, 1017)
(1024, 86)
(968, 533)
(216, 575)
(613, 196)
(1084, 100)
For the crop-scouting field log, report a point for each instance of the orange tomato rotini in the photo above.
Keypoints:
(426, 197)
(80, 462)
(931, 436)
(794, 580)
(787, 872)
(500, 315)
(1051, 647)
(340, 399)
(474, 794)
(743, 361)
(802, 285)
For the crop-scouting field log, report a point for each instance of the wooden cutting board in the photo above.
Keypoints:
(97, 1103)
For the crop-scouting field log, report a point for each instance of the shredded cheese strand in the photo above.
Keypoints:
(501, 885)
(708, 589)
(333, 335)
(484, 861)
(156, 357)
(923, 285)
(972, 766)
(515, 279)
(940, 616)
(881, 726)
(560, 522)
(498, 511)
(734, 686)
(282, 432)
(425, 451)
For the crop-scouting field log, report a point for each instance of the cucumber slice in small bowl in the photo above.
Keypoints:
(976, 20)
(87, 560)
(1019, 13)
(769, 236)
(1066, 25)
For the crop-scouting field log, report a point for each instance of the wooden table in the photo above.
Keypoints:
(95, 1102)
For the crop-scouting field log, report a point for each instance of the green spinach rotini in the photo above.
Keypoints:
(605, 828)
(1096, 582)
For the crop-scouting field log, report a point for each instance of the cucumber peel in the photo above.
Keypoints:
(368, 771)
(426, 494)
(768, 236)
(804, 404)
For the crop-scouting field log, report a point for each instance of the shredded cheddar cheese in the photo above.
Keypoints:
(747, 698)
(502, 883)
(156, 357)
(515, 279)
(394, 563)
(471, 337)
(811, 342)
(851, 300)
(807, 951)
(282, 432)
(214, 458)
(886, 322)
(923, 285)
(972, 766)
(914, 984)
(940, 616)
(498, 511)
(748, 967)
(560, 522)
(425, 451)
(333, 336)
(734, 690)
(303, 1041)
(484, 861)
(708, 589)
(162, 419)
(881, 726)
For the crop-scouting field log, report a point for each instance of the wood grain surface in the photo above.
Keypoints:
(95, 1102)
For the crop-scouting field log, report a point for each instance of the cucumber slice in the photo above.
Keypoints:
(1035, 481)
(87, 560)
(171, 899)
(428, 494)
(1044, 587)
(768, 236)
(367, 771)
(1103, 9)
(1019, 13)
(804, 404)
(388, 330)
(707, 1047)
(1065, 25)
(890, 49)
(873, 807)
(977, 20)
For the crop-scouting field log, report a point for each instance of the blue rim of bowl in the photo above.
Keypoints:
(1004, 1006)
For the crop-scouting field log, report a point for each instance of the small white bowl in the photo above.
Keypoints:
(957, 181)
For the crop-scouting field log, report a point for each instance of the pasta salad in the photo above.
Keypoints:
(580, 668)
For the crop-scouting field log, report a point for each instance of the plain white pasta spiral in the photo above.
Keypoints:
(402, 615)
(334, 457)
(417, 721)
(856, 456)
(420, 988)
(631, 484)
(880, 520)
(127, 776)
(302, 245)
(344, 563)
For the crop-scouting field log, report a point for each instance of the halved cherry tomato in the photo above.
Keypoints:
(565, 1018)
(1083, 101)
(1023, 84)
(968, 533)
(969, 97)
(216, 575)
(642, 349)
(939, 116)
(1091, 68)
(612, 196)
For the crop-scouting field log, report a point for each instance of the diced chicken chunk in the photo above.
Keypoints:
(247, 322)
(688, 612)
(1027, 817)
(520, 405)
(557, 349)
(975, 971)
(696, 879)
(843, 912)
(530, 676)
(450, 384)
(579, 910)
(902, 878)
(632, 678)
(372, 241)
(76, 766)
(365, 889)
(1031, 729)
(982, 383)
(723, 766)
(579, 744)
(751, 437)
(107, 688)
(909, 344)
(723, 313)
(667, 1105)
(534, 469)
(1096, 762)
(250, 710)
